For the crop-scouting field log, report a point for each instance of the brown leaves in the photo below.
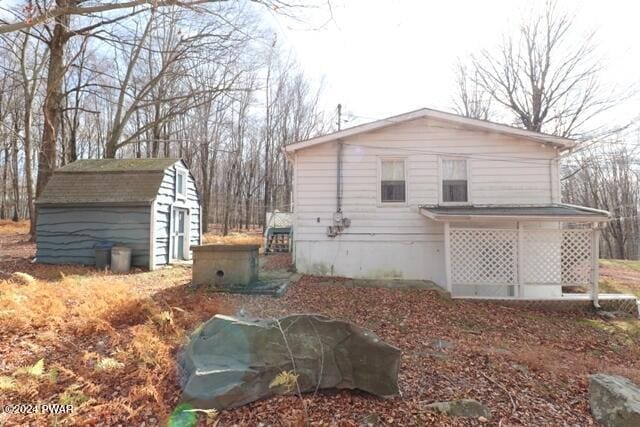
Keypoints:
(529, 367)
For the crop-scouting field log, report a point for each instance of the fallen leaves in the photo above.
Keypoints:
(530, 367)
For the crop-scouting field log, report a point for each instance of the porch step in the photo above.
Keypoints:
(278, 240)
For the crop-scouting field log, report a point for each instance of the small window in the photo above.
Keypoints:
(392, 185)
(181, 184)
(454, 181)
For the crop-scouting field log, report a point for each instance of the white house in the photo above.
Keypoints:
(471, 205)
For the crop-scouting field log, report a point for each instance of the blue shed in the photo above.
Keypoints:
(149, 205)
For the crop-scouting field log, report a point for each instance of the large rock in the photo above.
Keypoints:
(229, 362)
(615, 401)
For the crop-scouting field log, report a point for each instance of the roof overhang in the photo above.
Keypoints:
(483, 125)
(557, 212)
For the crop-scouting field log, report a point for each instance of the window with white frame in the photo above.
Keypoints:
(181, 184)
(455, 181)
(392, 181)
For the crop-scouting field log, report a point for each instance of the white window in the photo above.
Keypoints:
(181, 184)
(455, 181)
(392, 181)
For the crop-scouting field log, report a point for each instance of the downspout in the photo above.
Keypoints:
(339, 178)
(339, 222)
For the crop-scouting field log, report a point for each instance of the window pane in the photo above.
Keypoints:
(180, 183)
(454, 169)
(454, 190)
(393, 170)
(393, 191)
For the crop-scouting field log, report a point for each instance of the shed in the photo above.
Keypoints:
(149, 205)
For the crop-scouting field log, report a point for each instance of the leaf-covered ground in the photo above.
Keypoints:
(530, 367)
(108, 343)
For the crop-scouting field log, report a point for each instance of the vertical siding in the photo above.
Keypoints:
(68, 235)
(396, 241)
(165, 202)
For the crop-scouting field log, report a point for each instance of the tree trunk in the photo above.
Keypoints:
(15, 176)
(5, 170)
(27, 169)
(53, 100)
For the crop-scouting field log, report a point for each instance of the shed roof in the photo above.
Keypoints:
(106, 181)
(556, 212)
(118, 165)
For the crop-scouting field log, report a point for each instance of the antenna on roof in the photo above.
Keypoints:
(339, 116)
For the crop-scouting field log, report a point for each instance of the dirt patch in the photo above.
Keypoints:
(277, 262)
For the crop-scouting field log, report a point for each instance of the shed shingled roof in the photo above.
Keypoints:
(106, 181)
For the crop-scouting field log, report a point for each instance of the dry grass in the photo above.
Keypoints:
(93, 340)
(8, 227)
(622, 263)
(234, 239)
(620, 276)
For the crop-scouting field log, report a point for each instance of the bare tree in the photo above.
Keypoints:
(607, 176)
(65, 19)
(540, 76)
(471, 99)
(146, 81)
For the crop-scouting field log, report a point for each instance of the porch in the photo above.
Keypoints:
(521, 253)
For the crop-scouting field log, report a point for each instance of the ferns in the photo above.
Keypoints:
(113, 345)
(108, 364)
(36, 370)
(7, 383)
(288, 379)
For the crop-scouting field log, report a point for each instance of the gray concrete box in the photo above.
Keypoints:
(225, 265)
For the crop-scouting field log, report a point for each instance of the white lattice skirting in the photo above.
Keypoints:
(519, 263)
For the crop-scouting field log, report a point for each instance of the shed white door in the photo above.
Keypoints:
(180, 234)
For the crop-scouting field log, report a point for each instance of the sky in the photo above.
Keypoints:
(380, 58)
(384, 57)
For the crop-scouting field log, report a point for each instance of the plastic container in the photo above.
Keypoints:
(103, 254)
(120, 259)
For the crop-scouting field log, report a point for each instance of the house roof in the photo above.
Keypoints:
(556, 212)
(107, 181)
(484, 125)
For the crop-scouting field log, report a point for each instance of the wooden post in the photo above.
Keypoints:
(595, 253)
(447, 256)
(520, 261)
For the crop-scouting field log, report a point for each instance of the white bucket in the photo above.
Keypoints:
(120, 259)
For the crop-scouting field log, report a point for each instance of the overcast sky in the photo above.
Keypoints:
(381, 57)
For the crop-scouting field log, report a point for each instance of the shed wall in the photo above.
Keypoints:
(396, 241)
(165, 202)
(68, 235)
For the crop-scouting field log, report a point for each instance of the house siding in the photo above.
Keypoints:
(68, 235)
(165, 202)
(396, 241)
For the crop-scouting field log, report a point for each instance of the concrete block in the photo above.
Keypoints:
(225, 265)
